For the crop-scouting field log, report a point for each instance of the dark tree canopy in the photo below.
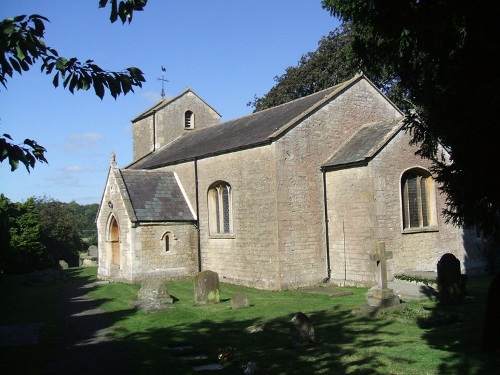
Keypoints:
(22, 46)
(444, 55)
(333, 62)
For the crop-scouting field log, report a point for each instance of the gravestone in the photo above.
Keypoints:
(491, 333)
(450, 283)
(93, 251)
(63, 264)
(206, 288)
(239, 300)
(381, 296)
(301, 330)
(153, 295)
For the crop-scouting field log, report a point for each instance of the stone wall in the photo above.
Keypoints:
(151, 258)
(163, 126)
(300, 153)
(249, 255)
(364, 206)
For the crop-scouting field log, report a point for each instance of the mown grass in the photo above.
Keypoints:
(419, 338)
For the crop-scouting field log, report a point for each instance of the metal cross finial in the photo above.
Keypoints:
(163, 80)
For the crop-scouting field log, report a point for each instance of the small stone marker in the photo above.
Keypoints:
(153, 295)
(206, 288)
(451, 286)
(63, 265)
(240, 300)
(380, 295)
(301, 330)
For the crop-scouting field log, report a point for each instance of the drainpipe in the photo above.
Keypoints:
(154, 130)
(197, 212)
(327, 238)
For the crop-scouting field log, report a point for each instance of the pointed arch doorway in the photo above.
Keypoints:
(114, 240)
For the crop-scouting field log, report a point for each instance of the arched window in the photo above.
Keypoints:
(168, 241)
(189, 120)
(418, 199)
(220, 208)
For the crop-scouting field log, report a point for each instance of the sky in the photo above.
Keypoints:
(226, 51)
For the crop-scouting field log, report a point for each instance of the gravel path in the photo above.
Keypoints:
(85, 347)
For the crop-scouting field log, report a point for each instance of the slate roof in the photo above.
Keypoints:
(156, 196)
(364, 144)
(255, 129)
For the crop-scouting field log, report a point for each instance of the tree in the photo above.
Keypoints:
(333, 62)
(25, 251)
(59, 229)
(442, 53)
(22, 46)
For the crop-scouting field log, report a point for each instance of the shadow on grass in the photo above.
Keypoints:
(84, 345)
(458, 329)
(341, 342)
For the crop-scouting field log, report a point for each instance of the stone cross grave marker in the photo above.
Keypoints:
(381, 257)
(381, 296)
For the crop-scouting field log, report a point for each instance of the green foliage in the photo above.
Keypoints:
(27, 153)
(59, 229)
(333, 62)
(124, 10)
(441, 52)
(25, 251)
(416, 279)
(22, 46)
(38, 233)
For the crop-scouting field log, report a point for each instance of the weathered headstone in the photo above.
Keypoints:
(302, 330)
(491, 333)
(153, 295)
(93, 251)
(239, 300)
(451, 285)
(206, 288)
(63, 264)
(381, 296)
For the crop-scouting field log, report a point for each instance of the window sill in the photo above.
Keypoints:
(228, 236)
(420, 230)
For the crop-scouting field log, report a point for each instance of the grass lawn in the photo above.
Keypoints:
(419, 338)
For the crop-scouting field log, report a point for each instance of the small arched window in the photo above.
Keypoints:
(168, 241)
(418, 199)
(189, 120)
(220, 208)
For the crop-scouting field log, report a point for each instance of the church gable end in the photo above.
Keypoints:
(169, 119)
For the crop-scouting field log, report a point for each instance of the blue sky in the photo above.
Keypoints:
(227, 51)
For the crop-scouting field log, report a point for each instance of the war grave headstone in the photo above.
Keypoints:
(206, 288)
(301, 330)
(380, 296)
(451, 283)
(239, 301)
(153, 296)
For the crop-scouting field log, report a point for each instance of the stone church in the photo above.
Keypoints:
(282, 198)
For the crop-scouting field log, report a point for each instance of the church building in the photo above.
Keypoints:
(282, 198)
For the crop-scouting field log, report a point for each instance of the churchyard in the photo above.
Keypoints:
(418, 337)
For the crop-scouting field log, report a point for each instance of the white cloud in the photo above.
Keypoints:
(74, 169)
(82, 141)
